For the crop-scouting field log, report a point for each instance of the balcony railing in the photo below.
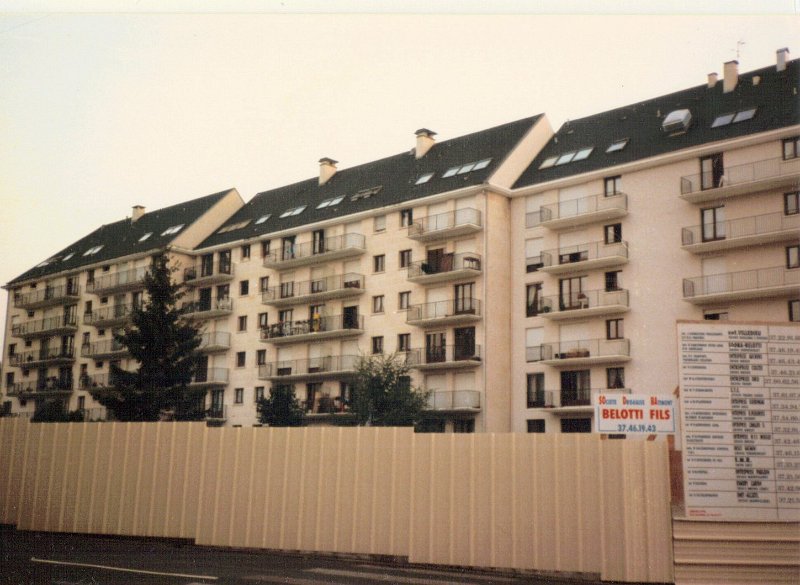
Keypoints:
(450, 356)
(207, 309)
(322, 367)
(338, 286)
(771, 171)
(210, 377)
(585, 351)
(42, 386)
(118, 281)
(332, 326)
(584, 256)
(45, 327)
(541, 399)
(217, 413)
(104, 348)
(446, 266)
(42, 356)
(208, 273)
(441, 400)
(108, 315)
(744, 231)
(50, 295)
(309, 252)
(583, 396)
(215, 341)
(445, 225)
(97, 381)
(759, 283)
(579, 211)
(581, 304)
(440, 312)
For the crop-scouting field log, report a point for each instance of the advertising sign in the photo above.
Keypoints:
(634, 413)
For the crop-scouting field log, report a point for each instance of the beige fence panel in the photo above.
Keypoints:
(14, 436)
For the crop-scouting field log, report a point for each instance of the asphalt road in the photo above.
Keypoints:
(69, 559)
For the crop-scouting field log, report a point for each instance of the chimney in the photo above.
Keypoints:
(712, 80)
(782, 55)
(424, 141)
(731, 76)
(327, 168)
(137, 213)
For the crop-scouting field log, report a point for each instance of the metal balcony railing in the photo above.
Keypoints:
(102, 348)
(125, 279)
(541, 399)
(288, 253)
(449, 354)
(222, 270)
(217, 412)
(454, 400)
(95, 381)
(211, 376)
(316, 325)
(44, 326)
(589, 299)
(330, 364)
(584, 253)
(320, 286)
(745, 227)
(40, 386)
(108, 314)
(196, 308)
(574, 208)
(446, 263)
(584, 348)
(42, 355)
(50, 295)
(215, 340)
(740, 174)
(444, 309)
(760, 279)
(445, 222)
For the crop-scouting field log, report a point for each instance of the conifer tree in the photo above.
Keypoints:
(281, 408)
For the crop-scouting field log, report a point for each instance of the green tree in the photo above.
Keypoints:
(382, 393)
(165, 345)
(281, 408)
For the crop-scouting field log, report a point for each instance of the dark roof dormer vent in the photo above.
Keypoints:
(677, 121)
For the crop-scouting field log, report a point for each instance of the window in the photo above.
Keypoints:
(548, 162)
(243, 323)
(617, 146)
(223, 292)
(576, 388)
(287, 248)
(794, 310)
(259, 393)
(711, 171)
(263, 284)
(12, 349)
(85, 340)
(424, 178)
(244, 288)
(612, 186)
(613, 280)
(94, 250)
(330, 202)
(792, 256)
(225, 263)
(285, 316)
(536, 395)
(262, 320)
(379, 263)
(536, 425)
(293, 211)
(405, 258)
(571, 295)
(404, 342)
(377, 304)
(377, 344)
(613, 233)
(238, 395)
(791, 148)
(245, 250)
(464, 298)
(533, 293)
(576, 425)
(9, 379)
(713, 223)
(263, 218)
(241, 359)
(715, 315)
(318, 242)
(142, 239)
(406, 217)
(615, 378)
(791, 205)
(379, 223)
(233, 226)
(261, 357)
(404, 300)
(265, 248)
(614, 329)
(533, 254)
(466, 425)
(172, 230)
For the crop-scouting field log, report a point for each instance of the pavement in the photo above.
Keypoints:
(72, 559)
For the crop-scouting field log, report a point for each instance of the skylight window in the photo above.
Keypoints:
(92, 251)
(465, 168)
(233, 226)
(42, 264)
(172, 230)
(617, 146)
(744, 115)
(565, 158)
(548, 162)
(482, 164)
(263, 218)
(144, 237)
(583, 153)
(331, 202)
(366, 193)
(722, 120)
(68, 256)
(424, 178)
(450, 172)
(293, 211)
(734, 117)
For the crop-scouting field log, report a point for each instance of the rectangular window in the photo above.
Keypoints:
(241, 359)
(244, 288)
(613, 233)
(404, 342)
(225, 262)
(576, 388)
(259, 393)
(318, 242)
(615, 378)
(243, 323)
(263, 284)
(536, 425)
(792, 256)
(533, 254)
(406, 217)
(466, 425)
(405, 258)
(612, 280)
(715, 315)
(571, 295)
(265, 248)
(576, 425)
(713, 223)
(238, 396)
(614, 329)
(12, 349)
(404, 300)
(245, 252)
(377, 344)
(711, 171)
(261, 357)
(377, 304)
(791, 148)
(535, 391)
(223, 292)
(533, 293)
(791, 203)
(464, 299)
(262, 321)
(612, 186)
(379, 263)
(379, 223)
(794, 310)
(285, 316)
(287, 248)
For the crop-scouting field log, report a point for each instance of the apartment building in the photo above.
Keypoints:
(680, 207)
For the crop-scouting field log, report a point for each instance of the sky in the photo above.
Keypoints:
(100, 111)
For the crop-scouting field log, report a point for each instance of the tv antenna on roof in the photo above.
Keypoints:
(739, 44)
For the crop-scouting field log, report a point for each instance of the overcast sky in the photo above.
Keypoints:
(99, 112)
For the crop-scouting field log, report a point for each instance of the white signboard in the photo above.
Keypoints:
(740, 409)
(634, 413)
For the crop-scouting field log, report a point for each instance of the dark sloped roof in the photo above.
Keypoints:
(121, 238)
(396, 176)
(774, 96)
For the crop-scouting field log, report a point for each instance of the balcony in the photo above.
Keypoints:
(761, 283)
(447, 267)
(441, 313)
(580, 400)
(745, 231)
(108, 316)
(445, 357)
(44, 356)
(107, 348)
(752, 177)
(333, 248)
(207, 309)
(590, 303)
(586, 352)
(455, 401)
(575, 212)
(118, 282)
(336, 326)
(443, 226)
(214, 342)
(209, 377)
(320, 368)
(47, 297)
(311, 291)
(541, 399)
(102, 381)
(40, 388)
(589, 256)
(58, 325)
(216, 415)
(207, 273)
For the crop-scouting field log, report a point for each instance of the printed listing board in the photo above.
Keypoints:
(634, 414)
(740, 410)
